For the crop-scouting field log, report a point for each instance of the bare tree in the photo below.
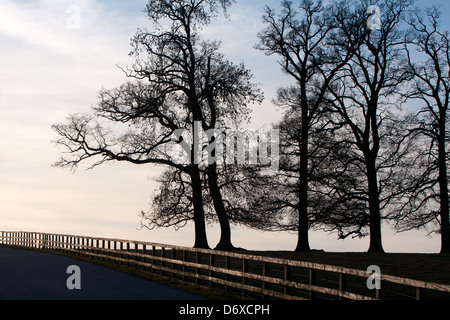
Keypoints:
(303, 45)
(179, 80)
(426, 181)
(366, 95)
(172, 205)
(224, 93)
(271, 202)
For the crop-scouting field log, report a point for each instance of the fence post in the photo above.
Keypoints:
(420, 294)
(265, 273)
(380, 291)
(197, 270)
(144, 257)
(174, 255)
(342, 284)
(287, 277)
(244, 277)
(153, 260)
(77, 247)
(184, 266)
(108, 247)
(211, 264)
(163, 255)
(312, 282)
(83, 246)
(97, 248)
(121, 252)
(227, 276)
(136, 251)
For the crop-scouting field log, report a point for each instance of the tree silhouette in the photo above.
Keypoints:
(365, 95)
(179, 80)
(303, 45)
(426, 179)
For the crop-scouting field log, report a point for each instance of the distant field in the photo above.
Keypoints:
(426, 267)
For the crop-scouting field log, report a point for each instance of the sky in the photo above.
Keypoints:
(56, 55)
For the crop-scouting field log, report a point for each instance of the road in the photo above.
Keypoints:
(29, 275)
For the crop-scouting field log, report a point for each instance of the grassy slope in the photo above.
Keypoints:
(426, 267)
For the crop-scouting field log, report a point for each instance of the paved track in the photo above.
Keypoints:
(28, 275)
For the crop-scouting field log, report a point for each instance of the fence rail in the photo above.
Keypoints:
(247, 275)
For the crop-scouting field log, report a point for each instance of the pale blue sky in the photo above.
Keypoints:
(50, 71)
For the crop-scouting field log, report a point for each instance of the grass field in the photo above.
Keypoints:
(426, 267)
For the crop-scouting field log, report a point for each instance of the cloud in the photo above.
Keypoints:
(41, 23)
(70, 27)
(43, 58)
(48, 71)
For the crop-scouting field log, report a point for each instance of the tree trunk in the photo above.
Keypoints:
(376, 244)
(443, 185)
(303, 219)
(216, 195)
(201, 240)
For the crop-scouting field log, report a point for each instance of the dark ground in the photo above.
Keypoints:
(29, 275)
